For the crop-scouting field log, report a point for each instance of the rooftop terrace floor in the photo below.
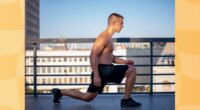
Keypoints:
(101, 102)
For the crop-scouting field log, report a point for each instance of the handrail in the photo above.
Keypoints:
(91, 40)
(36, 41)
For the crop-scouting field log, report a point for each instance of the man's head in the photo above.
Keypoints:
(116, 21)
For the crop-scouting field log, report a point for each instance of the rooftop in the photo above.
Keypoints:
(102, 102)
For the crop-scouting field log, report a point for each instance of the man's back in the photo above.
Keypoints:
(106, 54)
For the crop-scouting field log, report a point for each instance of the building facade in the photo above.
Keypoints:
(69, 62)
(32, 20)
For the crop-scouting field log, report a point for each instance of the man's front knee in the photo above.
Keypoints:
(132, 69)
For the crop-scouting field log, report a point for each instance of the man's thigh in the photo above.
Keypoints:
(118, 73)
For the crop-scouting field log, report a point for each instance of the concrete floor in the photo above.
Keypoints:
(101, 102)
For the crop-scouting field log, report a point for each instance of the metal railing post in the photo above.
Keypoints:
(35, 68)
(152, 55)
(151, 68)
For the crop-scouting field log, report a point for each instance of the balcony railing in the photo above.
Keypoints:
(151, 65)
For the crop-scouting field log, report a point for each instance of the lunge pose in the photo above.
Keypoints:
(103, 70)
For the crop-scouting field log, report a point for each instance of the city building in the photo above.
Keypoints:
(61, 59)
(168, 50)
(32, 21)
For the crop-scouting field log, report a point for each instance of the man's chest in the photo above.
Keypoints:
(110, 45)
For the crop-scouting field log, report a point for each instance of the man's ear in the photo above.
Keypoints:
(113, 23)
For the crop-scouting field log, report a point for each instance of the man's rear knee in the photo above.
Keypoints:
(89, 98)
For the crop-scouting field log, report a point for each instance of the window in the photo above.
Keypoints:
(89, 79)
(38, 80)
(65, 59)
(85, 58)
(43, 59)
(80, 59)
(86, 79)
(81, 80)
(26, 70)
(65, 70)
(49, 80)
(75, 59)
(48, 69)
(145, 45)
(59, 60)
(76, 69)
(70, 59)
(70, 69)
(43, 70)
(75, 80)
(54, 70)
(38, 70)
(43, 81)
(49, 60)
(168, 61)
(27, 81)
(172, 62)
(31, 69)
(70, 80)
(60, 80)
(54, 80)
(31, 80)
(54, 59)
(38, 60)
(85, 69)
(65, 80)
(81, 69)
(59, 70)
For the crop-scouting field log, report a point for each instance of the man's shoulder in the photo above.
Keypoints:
(102, 37)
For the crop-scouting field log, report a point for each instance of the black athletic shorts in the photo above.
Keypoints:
(108, 73)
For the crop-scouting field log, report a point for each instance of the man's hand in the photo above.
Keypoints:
(129, 62)
(97, 81)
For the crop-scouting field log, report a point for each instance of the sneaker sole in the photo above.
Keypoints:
(130, 106)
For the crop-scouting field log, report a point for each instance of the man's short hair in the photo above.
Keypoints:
(115, 14)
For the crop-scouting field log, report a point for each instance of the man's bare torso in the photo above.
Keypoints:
(106, 56)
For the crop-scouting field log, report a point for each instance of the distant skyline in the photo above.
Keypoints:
(88, 18)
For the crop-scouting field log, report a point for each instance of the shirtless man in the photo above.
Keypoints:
(103, 71)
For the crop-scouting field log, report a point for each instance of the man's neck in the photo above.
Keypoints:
(110, 31)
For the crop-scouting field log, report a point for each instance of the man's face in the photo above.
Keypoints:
(119, 25)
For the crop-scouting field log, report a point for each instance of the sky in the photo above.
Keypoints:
(88, 18)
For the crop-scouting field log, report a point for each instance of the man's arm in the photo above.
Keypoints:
(94, 58)
(121, 61)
